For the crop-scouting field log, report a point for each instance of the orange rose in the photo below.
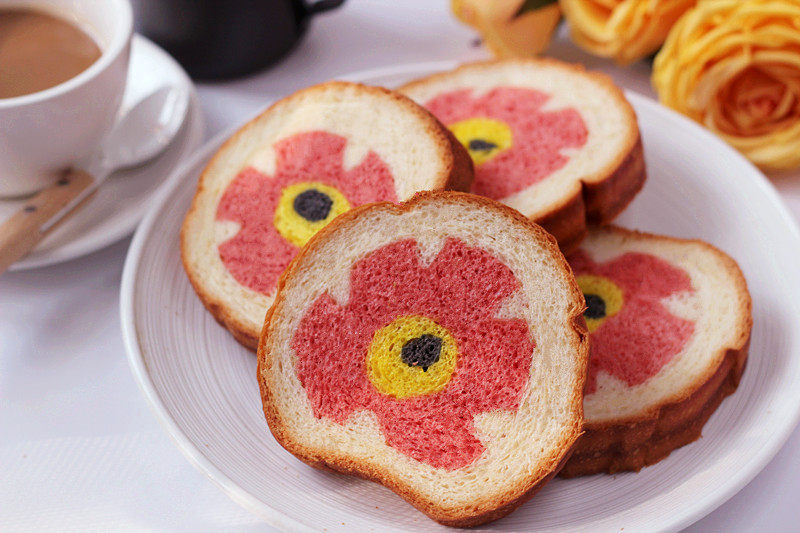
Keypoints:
(510, 28)
(734, 66)
(626, 30)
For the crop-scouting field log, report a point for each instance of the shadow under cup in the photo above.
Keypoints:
(46, 132)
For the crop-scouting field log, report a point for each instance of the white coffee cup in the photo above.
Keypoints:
(43, 133)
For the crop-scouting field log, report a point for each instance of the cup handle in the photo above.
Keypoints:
(320, 6)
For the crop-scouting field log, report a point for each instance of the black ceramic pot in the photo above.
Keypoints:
(215, 39)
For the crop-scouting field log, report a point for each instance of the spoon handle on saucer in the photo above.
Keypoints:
(23, 231)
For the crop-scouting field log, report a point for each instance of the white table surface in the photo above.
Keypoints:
(80, 448)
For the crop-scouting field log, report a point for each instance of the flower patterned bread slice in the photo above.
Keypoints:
(289, 172)
(556, 143)
(669, 324)
(436, 347)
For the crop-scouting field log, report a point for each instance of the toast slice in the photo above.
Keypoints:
(293, 169)
(436, 347)
(669, 324)
(558, 144)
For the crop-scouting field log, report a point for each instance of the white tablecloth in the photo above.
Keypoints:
(79, 446)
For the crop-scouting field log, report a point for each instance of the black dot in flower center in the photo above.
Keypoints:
(480, 145)
(313, 205)
(422, 351)
(595, 306)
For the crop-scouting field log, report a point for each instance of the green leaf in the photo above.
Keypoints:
(532, 5)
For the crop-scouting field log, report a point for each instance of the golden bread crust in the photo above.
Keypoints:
(458, 175)
(631, 443)
(479, 512)
(602, 195)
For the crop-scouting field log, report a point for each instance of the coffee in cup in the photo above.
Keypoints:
(46, 131)
(39, 50)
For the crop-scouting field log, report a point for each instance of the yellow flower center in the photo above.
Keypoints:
(306, 208)
(483, 138)
(411, 356)
(603, 299)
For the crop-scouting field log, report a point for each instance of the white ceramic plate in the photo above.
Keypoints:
(203, 387)
(122, 200)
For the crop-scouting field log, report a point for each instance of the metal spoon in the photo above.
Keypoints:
(141, 134)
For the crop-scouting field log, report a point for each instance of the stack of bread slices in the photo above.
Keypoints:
(437, 300)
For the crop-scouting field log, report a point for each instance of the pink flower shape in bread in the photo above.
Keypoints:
(633, 334)
(278, 213)
(513, 142)
(418, 345)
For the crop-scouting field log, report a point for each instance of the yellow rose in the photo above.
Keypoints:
(734, 66)
(510, 28)
(626, 30)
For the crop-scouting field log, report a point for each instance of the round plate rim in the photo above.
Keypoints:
(701, 507)
(80, 247)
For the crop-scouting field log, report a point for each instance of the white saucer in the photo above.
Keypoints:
(119, 205)
(202, 383)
